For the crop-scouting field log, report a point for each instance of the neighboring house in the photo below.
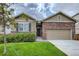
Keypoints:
(76, 17)
(58, 26)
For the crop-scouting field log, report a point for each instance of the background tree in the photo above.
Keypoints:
(5, 17)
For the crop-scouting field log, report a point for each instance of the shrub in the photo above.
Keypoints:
(19, 37)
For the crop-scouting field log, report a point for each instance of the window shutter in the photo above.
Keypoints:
(29, 27)
(16, 27)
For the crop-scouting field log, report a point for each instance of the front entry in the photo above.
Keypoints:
(39, 29)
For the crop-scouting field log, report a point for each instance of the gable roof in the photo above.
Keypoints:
(75, 15)
(62, 14)
(25, 16)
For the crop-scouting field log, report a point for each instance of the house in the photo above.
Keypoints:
(76, 17)
(58, 26)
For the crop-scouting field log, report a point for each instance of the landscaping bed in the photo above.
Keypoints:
(31, 49)
(19, 37)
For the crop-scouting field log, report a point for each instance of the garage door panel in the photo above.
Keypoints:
(58, 34)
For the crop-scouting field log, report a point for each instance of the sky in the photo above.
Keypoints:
(41, 11)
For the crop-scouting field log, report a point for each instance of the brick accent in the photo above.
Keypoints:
(57, 25)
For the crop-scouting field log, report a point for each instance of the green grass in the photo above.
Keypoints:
(31, 49)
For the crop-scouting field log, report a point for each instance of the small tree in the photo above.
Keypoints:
(5, 17)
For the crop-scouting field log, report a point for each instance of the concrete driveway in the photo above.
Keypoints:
(70, 47)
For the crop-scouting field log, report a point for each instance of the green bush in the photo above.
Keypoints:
(19, 37)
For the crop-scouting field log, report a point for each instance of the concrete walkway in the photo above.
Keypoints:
(40, 39)
(70, 47)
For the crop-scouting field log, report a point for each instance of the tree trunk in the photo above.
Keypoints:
(5, 42)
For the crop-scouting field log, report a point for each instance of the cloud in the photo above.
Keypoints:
(43, 10)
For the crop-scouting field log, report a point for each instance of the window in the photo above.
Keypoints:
(23, 27)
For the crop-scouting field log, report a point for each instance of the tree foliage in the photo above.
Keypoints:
(5, 12)
(5, 17)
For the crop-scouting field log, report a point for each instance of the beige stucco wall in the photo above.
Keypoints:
(58, 18)
(33, 25)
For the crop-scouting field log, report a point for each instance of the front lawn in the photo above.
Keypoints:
(31, 49)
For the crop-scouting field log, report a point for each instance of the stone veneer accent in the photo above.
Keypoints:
(57, 25)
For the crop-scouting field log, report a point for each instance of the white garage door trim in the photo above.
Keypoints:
(68, 39)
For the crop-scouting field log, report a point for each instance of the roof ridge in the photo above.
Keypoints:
(59, 13)
(26, 15)
(75, 14)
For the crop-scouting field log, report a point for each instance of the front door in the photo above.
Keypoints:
(39, 29)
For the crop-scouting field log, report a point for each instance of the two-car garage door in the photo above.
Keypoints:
(59, 34)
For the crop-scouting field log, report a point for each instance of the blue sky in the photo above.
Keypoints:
(43, 10)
